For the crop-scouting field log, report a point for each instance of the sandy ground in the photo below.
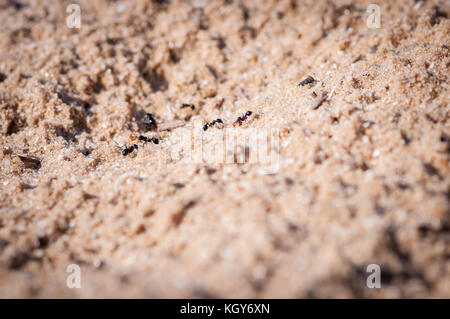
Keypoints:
(361, 176)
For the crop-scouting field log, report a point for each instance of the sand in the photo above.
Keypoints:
(361, 172)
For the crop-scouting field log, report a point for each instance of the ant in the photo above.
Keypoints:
(207, 125)
(128, 150)
(151, 122)
(184, 105)
(242, 118)
(148, 139)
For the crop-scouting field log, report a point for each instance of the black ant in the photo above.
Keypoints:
(308, 80)
(146, 139)
(151, 122)
(207, 125)
(242, 118)
(128, 150)
(184, 105)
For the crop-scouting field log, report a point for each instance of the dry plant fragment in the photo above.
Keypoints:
(30, 161)
(317, 102)
(308, 80)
